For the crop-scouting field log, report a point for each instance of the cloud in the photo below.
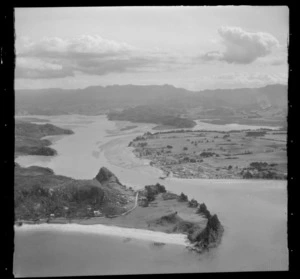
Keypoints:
(94, 55)
(242, 47)
(86, 45)
(33, 68)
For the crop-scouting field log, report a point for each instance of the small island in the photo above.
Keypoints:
(43, 197)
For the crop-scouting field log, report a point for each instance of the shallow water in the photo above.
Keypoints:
(55, 253)
(254, 213)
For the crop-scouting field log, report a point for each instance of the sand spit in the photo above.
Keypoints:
(153, 236)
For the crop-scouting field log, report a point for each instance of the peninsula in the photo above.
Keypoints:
(244, 154)
(43, 197)
(28, 138)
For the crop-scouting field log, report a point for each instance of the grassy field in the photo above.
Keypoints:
(206, 154)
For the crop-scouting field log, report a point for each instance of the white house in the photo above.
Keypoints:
(97, 212)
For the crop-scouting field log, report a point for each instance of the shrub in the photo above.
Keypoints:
(182, 198)
(193, 203)
(169, 196)
(255, 134)
(247, 175)
(202, 209)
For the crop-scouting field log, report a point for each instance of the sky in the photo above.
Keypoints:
(195, 48)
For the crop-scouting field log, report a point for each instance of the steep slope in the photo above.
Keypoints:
(39, 193)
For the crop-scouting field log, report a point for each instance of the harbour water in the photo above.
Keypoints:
(253, 212)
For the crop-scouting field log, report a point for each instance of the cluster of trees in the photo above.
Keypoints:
(182, 198)
(261, 165)
(262, 175)
(202, 209)
(206, 154)
(210, 235)
(139, 138)
(151, 191)
(255, 133)
(193, 203)
(142, 144)
(190, 160)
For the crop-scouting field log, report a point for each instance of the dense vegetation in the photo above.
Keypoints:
(151, 191)
(255, 133)
(202, 209)
(182, 198)
(148, 114)
(28, 138)
(39, 194)
(210, 236)
(262, 170)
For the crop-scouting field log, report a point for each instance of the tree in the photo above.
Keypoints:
(193, 203)
(182, 198)
(202, 209)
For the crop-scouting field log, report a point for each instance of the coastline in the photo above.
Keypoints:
(109, 230)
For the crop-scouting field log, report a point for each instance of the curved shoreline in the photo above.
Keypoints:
(110, 230)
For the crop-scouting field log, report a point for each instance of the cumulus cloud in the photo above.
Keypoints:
(57, 57)
(33, 68)
(242, 47)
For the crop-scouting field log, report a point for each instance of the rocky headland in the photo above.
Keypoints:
(43, 197)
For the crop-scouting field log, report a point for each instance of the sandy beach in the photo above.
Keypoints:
(153, 236)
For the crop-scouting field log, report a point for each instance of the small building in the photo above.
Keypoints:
(52, 215)
(97, 213)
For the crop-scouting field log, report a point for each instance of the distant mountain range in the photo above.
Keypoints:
(95, 100)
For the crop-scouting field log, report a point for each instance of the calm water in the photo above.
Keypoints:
(254, 213)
